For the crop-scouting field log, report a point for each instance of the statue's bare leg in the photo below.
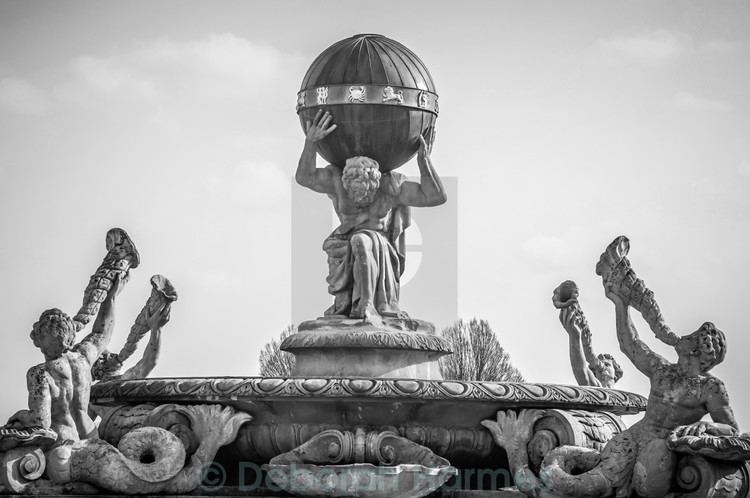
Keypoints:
(365, 276)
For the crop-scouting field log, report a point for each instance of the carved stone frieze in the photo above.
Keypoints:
(252, 389)
(366, 464)
(698, 477)
(573, 428)
(327, 333)
(265, 441)
(734, 448)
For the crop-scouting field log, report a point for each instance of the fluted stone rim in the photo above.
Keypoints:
(249, 389)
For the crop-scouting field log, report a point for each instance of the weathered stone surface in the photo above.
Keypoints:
(267, 390)
(364, 464)
(366, 253)
(637, 460)
(384, 324)
(122, 255)
(589, 368)
(721, 447)
(361, 480)
(345, 347)
(698, 477)
(59, 388)
(581, 428)
(152, 318)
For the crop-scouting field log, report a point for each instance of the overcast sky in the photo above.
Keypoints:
(565, 124)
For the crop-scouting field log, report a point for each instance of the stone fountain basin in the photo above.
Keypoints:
(361, 480)
(442, 415)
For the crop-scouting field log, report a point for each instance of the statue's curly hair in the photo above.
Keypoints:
(56, 323)
(606, 356)
(712, 344)
(362, 167)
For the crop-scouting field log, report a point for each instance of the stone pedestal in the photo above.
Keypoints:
(345, 347)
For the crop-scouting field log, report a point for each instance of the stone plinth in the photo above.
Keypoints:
(345, 347)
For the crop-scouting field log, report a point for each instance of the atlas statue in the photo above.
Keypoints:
(366, 251)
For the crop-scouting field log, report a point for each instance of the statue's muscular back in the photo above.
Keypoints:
(67, 381)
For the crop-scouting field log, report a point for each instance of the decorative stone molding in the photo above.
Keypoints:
(20, 467)
(360, 463)
(250, 389)
(368, 94)
(342, 334)
(572, 428)
(727, 448)
(698, 477)
(265, 441)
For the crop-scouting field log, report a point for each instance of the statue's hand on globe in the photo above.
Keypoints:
(319, 128)
(425, 144)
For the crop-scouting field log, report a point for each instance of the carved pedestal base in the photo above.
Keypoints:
(344, 347)
(362, 464)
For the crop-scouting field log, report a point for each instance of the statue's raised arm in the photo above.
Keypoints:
(637, 351)
(429, 191)
(624, 289)
(589, 368)
(308, 174)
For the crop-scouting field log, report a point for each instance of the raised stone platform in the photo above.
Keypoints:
(345, 347)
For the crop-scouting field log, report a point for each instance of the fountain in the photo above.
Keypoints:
(367, 400)
(367, 412)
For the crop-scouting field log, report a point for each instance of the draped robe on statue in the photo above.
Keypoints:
(382, 261)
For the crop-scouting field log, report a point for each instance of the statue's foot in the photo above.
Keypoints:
(399, 315)
(367, 314)
(372, 317)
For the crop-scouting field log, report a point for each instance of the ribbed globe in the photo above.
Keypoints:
(380, 94)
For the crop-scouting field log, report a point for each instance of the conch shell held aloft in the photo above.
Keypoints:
(619, 277)
(565, 296)
(122, 255)
(163, 293)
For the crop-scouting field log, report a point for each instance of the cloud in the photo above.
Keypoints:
(546, 249)
(22, 97)
(744, 168)
(218, 66)
(653, 46)
(687, 101)
(111, 76)
(717, 46)
(249, 184)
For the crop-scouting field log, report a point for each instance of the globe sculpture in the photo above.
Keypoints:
(380, 94)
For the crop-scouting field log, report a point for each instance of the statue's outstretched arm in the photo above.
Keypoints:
(582, 357)
(578, 361)
(150, 357)
(308, 174)
(631, 344)
(97, 341)
(588, 349)
(148, 361)
(429, 191)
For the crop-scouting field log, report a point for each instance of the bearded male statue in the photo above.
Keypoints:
(366, 252)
